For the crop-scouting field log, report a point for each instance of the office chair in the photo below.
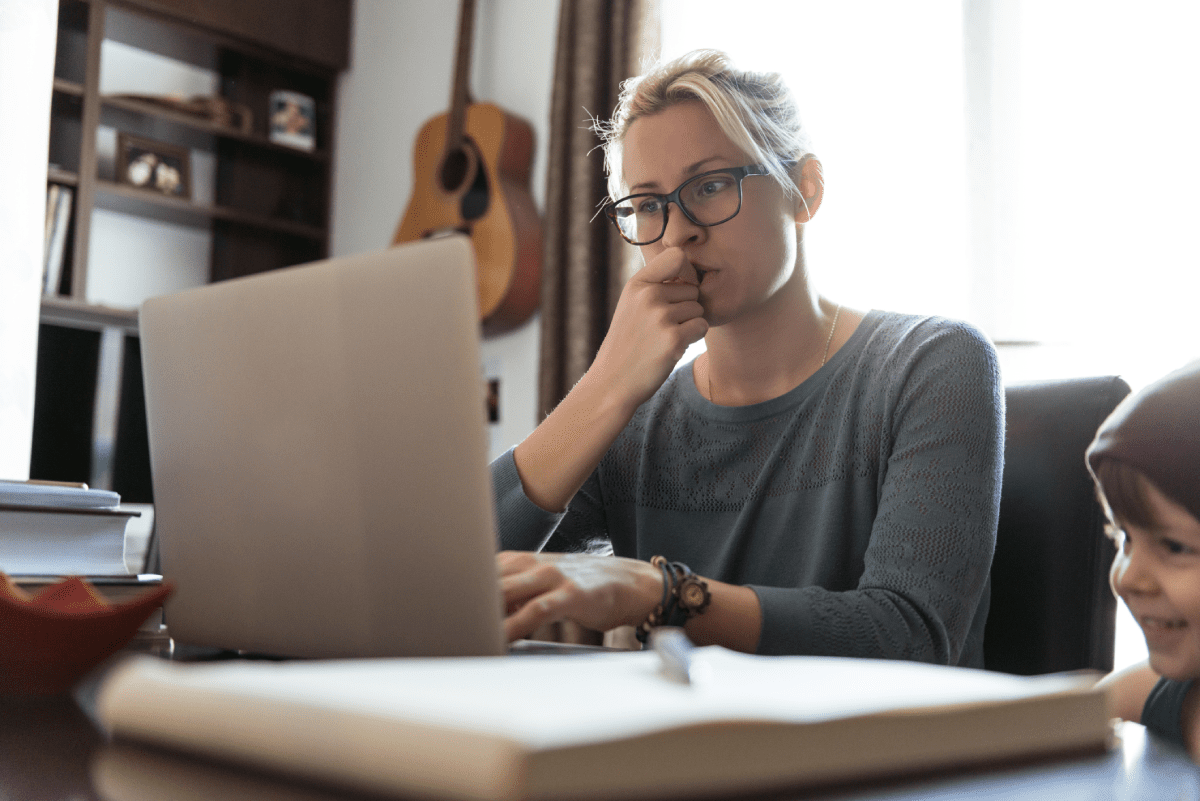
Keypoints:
(1051, 606)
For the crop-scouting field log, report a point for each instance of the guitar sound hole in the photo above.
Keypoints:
(454, 169)
(463, 165)
(475, 201)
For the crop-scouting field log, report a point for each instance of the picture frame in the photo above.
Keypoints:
(292, 119)
(154, 166)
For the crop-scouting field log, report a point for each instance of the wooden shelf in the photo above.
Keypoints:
(264, 205)
(65, 87)
(58, 175)
(146, 203)
(307, 33)
(154, 111)
(269, 203)
(76, 314)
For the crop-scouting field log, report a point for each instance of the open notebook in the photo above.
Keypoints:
(318, 448)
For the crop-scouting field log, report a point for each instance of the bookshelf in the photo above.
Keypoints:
(261, 205)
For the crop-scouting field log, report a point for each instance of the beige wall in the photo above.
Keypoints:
(27, 36)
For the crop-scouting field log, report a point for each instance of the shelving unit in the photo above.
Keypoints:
(269, 204)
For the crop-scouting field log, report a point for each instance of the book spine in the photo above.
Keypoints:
(56, 237)
(51, 213)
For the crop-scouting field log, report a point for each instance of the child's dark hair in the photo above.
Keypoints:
(1151, 438)
(1122, 491)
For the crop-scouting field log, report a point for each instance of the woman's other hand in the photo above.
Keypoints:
(597, 592)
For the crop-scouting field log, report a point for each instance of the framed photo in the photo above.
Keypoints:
(154, 166)
(293, 119)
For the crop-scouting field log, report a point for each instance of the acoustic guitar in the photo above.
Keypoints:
(471, 168)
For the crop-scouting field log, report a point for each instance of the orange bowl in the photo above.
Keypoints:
(52, 639)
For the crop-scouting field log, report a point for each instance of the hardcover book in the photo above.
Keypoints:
(600, 726)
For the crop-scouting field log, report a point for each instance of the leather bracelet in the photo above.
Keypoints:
(685, 595)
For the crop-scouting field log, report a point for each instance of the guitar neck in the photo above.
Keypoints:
(460, 94)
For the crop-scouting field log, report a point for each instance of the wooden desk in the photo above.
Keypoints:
(50, 751)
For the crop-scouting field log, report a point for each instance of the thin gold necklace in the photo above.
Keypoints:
(824, 358)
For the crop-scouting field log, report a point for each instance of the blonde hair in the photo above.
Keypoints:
(755, 110)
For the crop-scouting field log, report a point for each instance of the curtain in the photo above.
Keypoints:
(584, 261)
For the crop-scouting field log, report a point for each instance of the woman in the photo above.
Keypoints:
(819, 481)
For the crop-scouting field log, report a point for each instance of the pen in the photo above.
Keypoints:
(675, 650)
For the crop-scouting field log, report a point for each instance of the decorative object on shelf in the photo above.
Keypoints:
(292, 119)
(207, 108)
(160, 167)
(53, 639)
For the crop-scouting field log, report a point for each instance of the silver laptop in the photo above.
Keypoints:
(318, 449)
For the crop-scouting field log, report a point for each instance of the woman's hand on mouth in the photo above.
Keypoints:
(657, 317)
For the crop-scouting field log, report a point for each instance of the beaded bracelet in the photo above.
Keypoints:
(684, 595)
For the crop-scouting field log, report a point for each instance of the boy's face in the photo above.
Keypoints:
(1157, 574)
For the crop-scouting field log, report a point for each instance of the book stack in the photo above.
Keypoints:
(61, 530)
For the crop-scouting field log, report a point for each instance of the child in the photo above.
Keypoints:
(1146, 463)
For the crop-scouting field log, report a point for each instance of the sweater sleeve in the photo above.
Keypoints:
(521, 524)
(923, 590)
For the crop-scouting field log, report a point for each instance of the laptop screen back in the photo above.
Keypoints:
(319, 457)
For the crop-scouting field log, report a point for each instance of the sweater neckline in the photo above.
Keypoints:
(814, 383)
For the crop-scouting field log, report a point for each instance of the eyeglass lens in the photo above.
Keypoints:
(708, 199)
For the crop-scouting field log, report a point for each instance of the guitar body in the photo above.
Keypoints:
(481, 188)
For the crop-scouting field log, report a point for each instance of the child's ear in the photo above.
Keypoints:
(811, 182)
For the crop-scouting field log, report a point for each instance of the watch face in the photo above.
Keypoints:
(693, 594)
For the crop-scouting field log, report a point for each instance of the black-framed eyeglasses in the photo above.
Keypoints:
(707, 199)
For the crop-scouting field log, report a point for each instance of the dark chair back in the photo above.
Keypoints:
(1051, 606)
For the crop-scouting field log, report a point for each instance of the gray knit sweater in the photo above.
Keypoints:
(860, 507)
